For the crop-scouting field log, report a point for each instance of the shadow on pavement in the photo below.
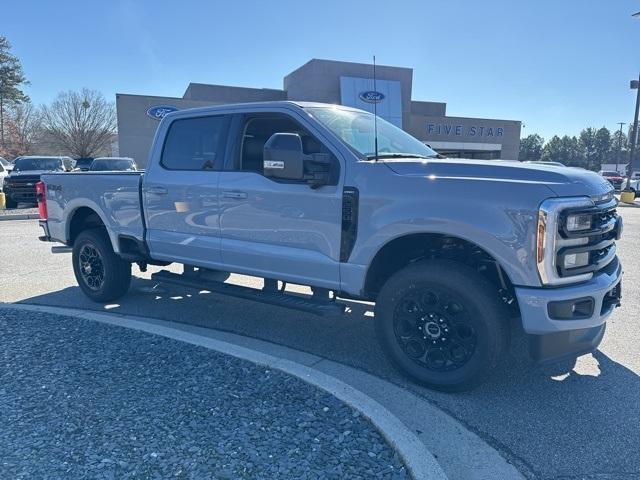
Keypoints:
(569, 419)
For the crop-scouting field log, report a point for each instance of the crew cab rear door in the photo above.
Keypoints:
(273, 229)
(180, 191)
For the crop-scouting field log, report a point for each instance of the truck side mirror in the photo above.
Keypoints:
(283, 156)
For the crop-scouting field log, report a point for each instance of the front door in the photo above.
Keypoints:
(281, 230)
(181, 192)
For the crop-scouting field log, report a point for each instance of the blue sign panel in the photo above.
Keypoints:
(371, 96)
(157, 112)
(385, 98)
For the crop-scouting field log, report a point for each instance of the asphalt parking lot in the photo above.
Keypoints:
(578, 420)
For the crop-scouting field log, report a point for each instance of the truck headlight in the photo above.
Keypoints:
(549, 241)
(579, 222)
(576, 260)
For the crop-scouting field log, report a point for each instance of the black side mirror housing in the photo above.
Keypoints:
(284, 158)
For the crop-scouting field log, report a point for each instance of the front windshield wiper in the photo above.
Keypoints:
(399, 155)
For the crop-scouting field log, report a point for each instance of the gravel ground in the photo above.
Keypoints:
(79, 399)
(22, 209)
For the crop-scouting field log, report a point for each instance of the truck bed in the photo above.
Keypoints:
(114, 196)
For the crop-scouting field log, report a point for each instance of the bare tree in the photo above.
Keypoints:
(80, 123)
(23, 124)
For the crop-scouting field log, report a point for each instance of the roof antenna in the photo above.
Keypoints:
(375, 109)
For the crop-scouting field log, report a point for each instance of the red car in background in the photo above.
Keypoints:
(615, 178)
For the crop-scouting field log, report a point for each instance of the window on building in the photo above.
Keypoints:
(196, 143)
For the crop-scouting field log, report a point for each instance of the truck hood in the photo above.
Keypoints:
(563, 181)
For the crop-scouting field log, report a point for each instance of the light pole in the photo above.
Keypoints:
(635, 85)
(619, 145)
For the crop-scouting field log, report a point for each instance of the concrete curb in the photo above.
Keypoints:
(419, 460)
(19, 216)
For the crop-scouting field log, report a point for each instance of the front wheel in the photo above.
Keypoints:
(442, 324)
(101, 274)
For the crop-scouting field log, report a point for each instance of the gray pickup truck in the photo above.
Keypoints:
(450, 251)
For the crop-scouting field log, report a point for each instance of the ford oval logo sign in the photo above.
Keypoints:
(371, 96)
(157, 112)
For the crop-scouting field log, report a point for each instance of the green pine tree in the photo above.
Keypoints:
(12, 79)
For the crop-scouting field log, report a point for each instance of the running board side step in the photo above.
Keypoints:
(305, 304)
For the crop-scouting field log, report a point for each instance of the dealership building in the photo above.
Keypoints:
(329, 81)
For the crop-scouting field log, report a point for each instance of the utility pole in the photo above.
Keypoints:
(635, 85)
(619, 145)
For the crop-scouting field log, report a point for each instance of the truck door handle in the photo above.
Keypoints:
(157, 190)
(234, 194)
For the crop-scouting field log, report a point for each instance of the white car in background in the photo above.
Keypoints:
(635, 183)
(3, 175)
(8, 166)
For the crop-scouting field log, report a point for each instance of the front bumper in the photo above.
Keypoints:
(553, 339)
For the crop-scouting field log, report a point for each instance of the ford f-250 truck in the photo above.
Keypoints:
(449, 250)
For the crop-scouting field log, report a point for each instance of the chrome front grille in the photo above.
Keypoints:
(22, 187)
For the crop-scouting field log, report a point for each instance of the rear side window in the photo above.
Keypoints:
(195, 143)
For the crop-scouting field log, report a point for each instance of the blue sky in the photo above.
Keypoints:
(557, 65)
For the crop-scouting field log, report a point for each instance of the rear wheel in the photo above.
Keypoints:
(101, 274)
(442, 324)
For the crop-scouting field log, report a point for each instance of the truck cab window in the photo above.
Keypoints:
(195, 143)
(258, 130)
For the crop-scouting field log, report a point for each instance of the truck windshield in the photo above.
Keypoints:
(357, 129)
(49, 164)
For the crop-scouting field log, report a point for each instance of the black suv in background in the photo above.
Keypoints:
(20, 185)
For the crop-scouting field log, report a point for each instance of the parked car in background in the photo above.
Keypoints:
(634, 185)
(615, 178)
(6, 164)
(83, 163)
(3, 175)
(20, 184)
(112, 164)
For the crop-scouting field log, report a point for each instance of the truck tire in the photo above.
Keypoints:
(442, 323)
(101, 274)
